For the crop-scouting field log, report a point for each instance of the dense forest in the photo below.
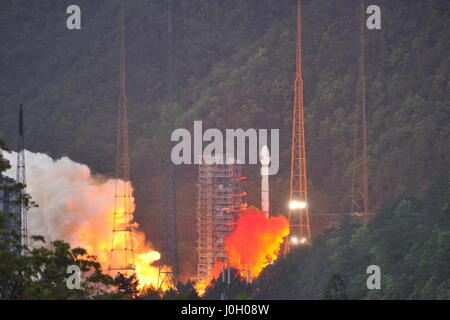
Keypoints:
(409, 239)
(233, 64)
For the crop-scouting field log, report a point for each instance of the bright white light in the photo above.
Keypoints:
(297, 204)
(297, 241)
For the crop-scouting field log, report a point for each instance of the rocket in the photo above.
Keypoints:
(265, 161)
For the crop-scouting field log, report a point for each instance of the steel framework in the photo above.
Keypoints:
(21, 179)
(219, 202)
(170, 244)
(122, 246)
(298, 192)
(360, 185)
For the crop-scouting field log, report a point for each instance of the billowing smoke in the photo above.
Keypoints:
(77, 207)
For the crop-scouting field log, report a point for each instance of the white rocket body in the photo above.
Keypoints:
(265, 161)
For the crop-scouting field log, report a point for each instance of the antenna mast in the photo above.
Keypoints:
(298, 217)
(21, 179)
(170, 245)
(360, 185)
(122, 247)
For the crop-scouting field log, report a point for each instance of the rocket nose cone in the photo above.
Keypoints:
(265, 156)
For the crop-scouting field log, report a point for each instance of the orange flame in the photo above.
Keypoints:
(251, 246)
(95, 234)
(255, 242)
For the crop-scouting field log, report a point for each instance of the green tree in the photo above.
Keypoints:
(182, 292)
(127, 285)
(336, 289)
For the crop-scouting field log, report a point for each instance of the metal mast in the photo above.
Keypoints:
(360, 187)
(122, 247)
(298, 206)
(170, 245)
(21, 179)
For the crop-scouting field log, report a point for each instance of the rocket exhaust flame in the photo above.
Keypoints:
(77, 207)
(252, 245)
(256, 241)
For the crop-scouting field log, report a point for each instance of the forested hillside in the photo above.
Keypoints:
(409, 239)
(234, 68)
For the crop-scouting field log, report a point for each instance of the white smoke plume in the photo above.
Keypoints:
(77, 207)
(69, 198)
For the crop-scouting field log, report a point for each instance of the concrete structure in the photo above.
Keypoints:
(219, 202)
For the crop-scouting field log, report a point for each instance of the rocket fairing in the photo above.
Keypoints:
(265, 161)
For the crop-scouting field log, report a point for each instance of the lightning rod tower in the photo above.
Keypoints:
(170, 241)
(122, 247)
(298, 216)
(360, 186)
(21, 179)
